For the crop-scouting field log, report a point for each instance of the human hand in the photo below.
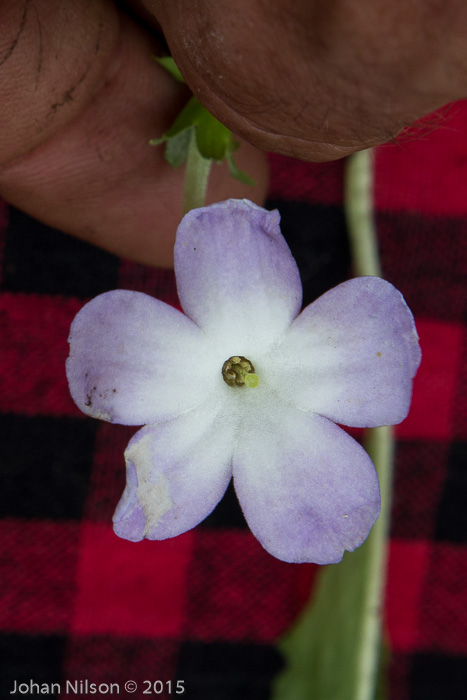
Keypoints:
(318, 80)
(81, 97)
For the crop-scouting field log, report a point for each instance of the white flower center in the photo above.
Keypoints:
(239, 371)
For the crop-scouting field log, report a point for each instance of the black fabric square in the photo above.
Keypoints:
(317, 237)
(433, 283)
(227, 514)
(452, 514)
(30, 658)
(221, 671)
(438, 677)
(46, 463)
(419, 478)
(40, 259)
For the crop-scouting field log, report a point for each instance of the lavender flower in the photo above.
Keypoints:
(244, 384)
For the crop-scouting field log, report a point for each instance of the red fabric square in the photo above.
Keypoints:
(432, 412)
(408, 562)
(420, 473)
(426, 175)
(34, 331)
(38, 562)
(460, 417)
(296, 180)
(131, 588)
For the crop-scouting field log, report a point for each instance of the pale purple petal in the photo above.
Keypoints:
(236, 276)
(351, 355)
(176, 474)
(135, 360)
(307, 489)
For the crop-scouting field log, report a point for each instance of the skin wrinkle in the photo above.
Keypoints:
(281, 140)
(278, 136)
(333, 150)
(56, 62)
(113, 66)
(98, 40)
(17, 37)
(68, 95)
(41, 49)
(306, 115)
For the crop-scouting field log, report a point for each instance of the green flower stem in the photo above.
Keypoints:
(358, 203)
(196, 177)
(379, 442)
(334, 650)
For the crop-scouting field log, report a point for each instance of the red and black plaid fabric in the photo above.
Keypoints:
(207, 607)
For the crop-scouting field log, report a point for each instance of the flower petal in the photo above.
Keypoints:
(135, 360)
(177, 472)
(236, 276)
(307, 489)
(351, 355)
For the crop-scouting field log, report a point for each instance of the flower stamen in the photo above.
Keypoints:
(239, 371)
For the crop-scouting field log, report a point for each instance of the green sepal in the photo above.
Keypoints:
(185, 119)
(238, 174)
(214, 141)
(213, 138)
(169, 64)
(176, 149)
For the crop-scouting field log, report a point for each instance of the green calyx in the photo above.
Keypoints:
(214, 142)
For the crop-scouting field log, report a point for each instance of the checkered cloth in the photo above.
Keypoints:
(207, 607)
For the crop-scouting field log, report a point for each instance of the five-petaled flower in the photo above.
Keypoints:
(244, 384)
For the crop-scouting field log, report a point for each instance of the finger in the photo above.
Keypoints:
(317, 79)
(53, 58)
(93, 173)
